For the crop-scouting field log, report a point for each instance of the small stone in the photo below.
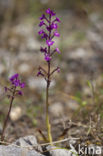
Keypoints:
(79, 53)
(70, 78)
(24, 68)
(28, 141)
(71, 104)
(93, 36)
(32, 44)
(17, 151)
(38, 83)
(87, 91)
(56, 109)
(94, 17)
(57, 151)
(16, 113)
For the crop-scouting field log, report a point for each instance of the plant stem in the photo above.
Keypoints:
(47, 115)
(7, 117)
(47, 93)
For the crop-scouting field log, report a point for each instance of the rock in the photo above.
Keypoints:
(93, 36)
(28, 141)
(17, 151)
(79, 53)
(26, 146)
(32, 44)
(56, 109)
(38, 83)
(94, 17)
(70, 78)
(72, 104)
(23, 29)
(87, 91)
(16, 113)
(54, 151)
(24, 68)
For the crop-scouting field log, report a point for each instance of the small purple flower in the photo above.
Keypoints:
(41, 23)
(47, 57)
(20, 92)
(15, 76)
(53, 13)
(39, 73)
(42, 17)
(22, 85)
(16, 83)
(56, 34)
(49, 42)
(58, 70)
(57, 19)
(43, 50)
(57, 50)
(45, 36)
(50, 12)
(41, 32)
(49, 28)
(54, 26)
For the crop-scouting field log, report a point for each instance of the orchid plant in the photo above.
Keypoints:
(49, 23)
(15, 89)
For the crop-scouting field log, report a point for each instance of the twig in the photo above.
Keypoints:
(44, 144)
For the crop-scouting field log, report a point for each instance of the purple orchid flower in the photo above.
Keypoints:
(48, 33)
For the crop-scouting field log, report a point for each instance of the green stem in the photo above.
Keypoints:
(47, 116)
